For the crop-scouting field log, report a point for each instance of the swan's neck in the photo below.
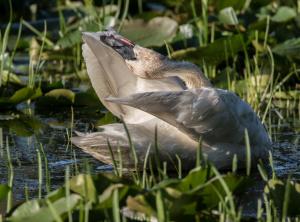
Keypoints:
(189, 73)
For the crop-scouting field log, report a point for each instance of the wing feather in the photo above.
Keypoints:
(215, 115)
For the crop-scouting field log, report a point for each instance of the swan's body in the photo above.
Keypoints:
(148, 90)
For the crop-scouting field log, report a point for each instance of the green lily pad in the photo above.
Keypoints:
(22, 125)
(214, 53)
(88, 98)
(284, 14)
(62, 93)
(289, 48)
(56, 98)
(153, 33)
(19, 96)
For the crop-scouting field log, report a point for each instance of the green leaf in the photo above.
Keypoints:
(35, 210)
(289, 48)
(284, 14)
(62, 93)
(276, 190)
(25, 210)
(140, 203)
(195, 178)
(153, 33)
(106, 119)
(70, 39)
(21, 95)
(88, 98)
(4, 189)
(214, 190)
(24, 125)
(215, 52)
(56, 98)
(228, 16)
(10, 77)
(106, 198)
(84, 185)
(235, 4)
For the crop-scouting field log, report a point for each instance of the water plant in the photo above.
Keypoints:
(249, 47)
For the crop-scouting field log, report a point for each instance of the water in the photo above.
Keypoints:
(25, 131)
(53, 136)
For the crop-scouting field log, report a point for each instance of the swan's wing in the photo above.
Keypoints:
(213, 114)
(170, 140)
(107, 71)
(110, 77)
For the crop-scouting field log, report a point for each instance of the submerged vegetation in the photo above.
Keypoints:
(249, 47)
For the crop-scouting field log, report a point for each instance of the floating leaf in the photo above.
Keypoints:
(88, 98)
(19, 96)
(214, 53)
(62, 93)
(153, 33)
(21, 124)
(284, 14)
(288, 48)
(56, 98)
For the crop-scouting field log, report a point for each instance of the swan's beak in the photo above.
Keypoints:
(112, 39)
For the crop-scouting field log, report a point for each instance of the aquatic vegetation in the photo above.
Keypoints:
(249, 47)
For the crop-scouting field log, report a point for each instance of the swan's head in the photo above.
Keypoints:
(111, 38)
(141, 61)
(147, 63)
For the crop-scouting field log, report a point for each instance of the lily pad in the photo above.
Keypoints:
(153, 33)
(289, 48)
(19, 96)
(56, 98)
(284, 14)
(215, 52)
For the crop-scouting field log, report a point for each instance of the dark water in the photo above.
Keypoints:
(53, 135)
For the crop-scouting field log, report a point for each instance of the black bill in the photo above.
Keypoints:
(120, 44)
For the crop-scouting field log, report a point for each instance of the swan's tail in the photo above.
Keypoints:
(104, 149)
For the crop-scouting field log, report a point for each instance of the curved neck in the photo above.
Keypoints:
(189, 73)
